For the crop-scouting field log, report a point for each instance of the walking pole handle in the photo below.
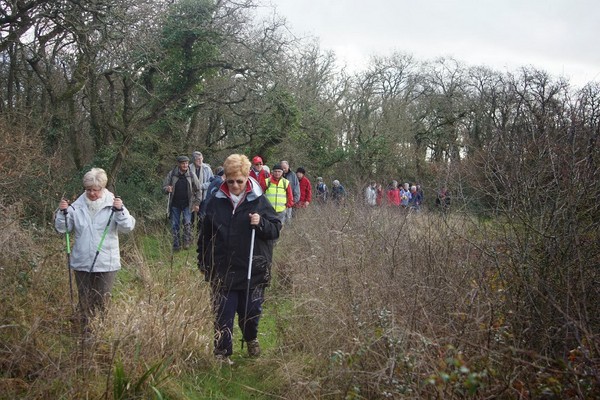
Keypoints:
(115, 208)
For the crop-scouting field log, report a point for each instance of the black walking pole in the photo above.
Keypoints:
(112, 212)
(249, 279)
(68, 242)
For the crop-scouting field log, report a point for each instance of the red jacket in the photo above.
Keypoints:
(261, 177)
(305, 192)
(393, 196)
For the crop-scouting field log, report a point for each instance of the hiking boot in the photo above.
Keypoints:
(253, 348)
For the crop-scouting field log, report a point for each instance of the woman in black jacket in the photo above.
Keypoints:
(224, 254)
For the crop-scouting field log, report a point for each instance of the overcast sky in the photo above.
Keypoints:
(559, 36)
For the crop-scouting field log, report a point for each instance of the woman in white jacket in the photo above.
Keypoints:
(97, 210)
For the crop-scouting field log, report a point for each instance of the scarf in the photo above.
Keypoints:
(96, 205)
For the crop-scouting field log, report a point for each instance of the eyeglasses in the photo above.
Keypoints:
(258, 163)
(238, 181)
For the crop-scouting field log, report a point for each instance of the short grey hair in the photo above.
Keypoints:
(96, 177)
(196, 155)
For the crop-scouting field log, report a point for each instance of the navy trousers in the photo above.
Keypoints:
(225, 305)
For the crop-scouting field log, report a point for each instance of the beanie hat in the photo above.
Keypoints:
(277, 166)
(181, 159)
(301, 170)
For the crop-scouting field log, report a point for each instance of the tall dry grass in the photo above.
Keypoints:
(365, 303)
(158, 324)
(390, 304)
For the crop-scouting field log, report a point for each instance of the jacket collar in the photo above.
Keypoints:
(253, 190)
(107, 199)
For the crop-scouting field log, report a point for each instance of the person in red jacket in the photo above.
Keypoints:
(393, 194)
(259, 172)
(305, 188)
(379, 199)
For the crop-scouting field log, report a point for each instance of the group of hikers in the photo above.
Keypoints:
(403, 196)
(191, 185)
(239, 210)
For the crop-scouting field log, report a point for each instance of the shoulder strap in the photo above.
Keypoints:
(173, 172)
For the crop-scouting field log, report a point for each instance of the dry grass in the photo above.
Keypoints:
(395, 304)
(366, 303)
(159, 320)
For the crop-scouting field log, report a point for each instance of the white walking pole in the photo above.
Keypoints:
(249, 279)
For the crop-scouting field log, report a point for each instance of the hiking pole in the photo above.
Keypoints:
(68, 243)
(249, 279)
(112, 212)
(169, 206)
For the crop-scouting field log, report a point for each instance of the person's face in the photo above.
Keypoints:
(183, 166)
(93, 192)
(286, 167)
(258, 166)
(198, 161)
(236, 183)
(277, 173)
(300, 175)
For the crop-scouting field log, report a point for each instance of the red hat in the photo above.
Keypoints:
(257, 160)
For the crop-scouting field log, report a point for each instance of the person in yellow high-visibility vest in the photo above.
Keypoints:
(279, 192)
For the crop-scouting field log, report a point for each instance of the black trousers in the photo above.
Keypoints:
(228, 303)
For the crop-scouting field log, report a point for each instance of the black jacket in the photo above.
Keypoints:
(225, 236)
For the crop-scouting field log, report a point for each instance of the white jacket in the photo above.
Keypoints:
(88, 233)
